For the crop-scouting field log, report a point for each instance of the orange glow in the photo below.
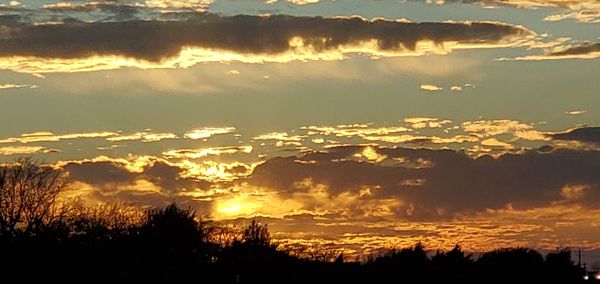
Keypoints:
(238, 206)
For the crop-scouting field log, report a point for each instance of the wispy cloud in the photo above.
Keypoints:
(582, 134)
(423, 122)
(281, 138)
(207, 132)
(205, 152)
(45, 136)
(16, 86)
(143, 136)
(430, 88)
(587, 11)
(581, 51)
(25, 150)
(576, 112)
(296, 2)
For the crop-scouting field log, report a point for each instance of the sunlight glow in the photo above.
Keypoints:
(239, 206)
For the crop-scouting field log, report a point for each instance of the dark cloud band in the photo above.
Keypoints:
(584, 134)
(425, 184)
(583, 49)
(154, 40)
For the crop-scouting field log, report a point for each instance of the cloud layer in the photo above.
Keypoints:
(580, 10)
(362, 195)
(209, 37)
(585, 50)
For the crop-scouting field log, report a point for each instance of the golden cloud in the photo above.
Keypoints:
(207, 132)
(24, 150)
(430, 88)
(45, 136)
(16, 86)
(423, 122)
(205, 152)
(144, 136)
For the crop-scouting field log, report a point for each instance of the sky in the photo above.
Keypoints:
(359, 124)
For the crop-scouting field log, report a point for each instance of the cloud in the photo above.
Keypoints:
(493, 142)
(574, 192)
(571, 4)
(205, 152)
(430, 88)
(587, 11)
(582, 51)
(589, 49)
(74, 45)
(110, 10)
(144, 136)
(584, 16)
(486, 128)
(303, 2)
(207, 132)
(423, 122)
(45, 136)
(423, 139)
(127, 8)
(353, 130)
(148, 181)
(452, 183)
(16, 86)
(459, 88)
(281, 139)
(25, 150)
(106, 172)
(295, 2)
(198, 5)
(428, 132)
(546, 228)
(368, 196)
(583, 134)
(365, 197)
(576, 112)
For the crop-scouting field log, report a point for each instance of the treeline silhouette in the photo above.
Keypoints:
(45, 239)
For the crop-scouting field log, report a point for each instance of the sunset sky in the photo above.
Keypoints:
(364, 123)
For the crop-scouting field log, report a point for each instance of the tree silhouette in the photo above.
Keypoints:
(173, 225)
(511, 265)
(453, 266)
(28, 197)
(560, 267)
(411, 263)
(256, 235)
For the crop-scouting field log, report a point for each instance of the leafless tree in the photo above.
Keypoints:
(257, 234)
(222, 234)
(114, 217)
(28, 196)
